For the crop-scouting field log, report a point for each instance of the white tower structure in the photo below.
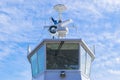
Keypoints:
(61, 59)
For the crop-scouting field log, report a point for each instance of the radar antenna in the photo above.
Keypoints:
(60, 8)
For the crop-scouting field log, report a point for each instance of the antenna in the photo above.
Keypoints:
(59, 27)
(94, 48)
(60, 8)
(28, 49)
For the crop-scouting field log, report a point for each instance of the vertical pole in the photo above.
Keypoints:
(53, 37)
(94, 48)
(28, 49)
(60, 16)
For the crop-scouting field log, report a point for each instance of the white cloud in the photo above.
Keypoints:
(26, 75)
(82, 10)
(114, 37)
(8, 48)
(5, 50)
(115, 72)
(108, 5)
(117, 60)
(20, 24)
(4, 19)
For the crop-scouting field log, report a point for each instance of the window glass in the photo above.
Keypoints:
(41, 59)
(34, 64)
(62, 55)
(83, 59)
(85, 62)
(88, 64)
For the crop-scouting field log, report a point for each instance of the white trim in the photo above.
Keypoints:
(66, 40)
(88, 50)
(80, 42)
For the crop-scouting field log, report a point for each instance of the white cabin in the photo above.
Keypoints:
(61, 59)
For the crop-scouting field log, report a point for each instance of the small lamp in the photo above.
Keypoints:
(62, 74)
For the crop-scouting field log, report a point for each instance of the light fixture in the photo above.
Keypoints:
(62, 74)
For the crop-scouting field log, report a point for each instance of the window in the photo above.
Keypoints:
(62, 56)
(88, 64)
(34, 65)
(37, 62)
(83, 59)
(85, 62)
(41, 59)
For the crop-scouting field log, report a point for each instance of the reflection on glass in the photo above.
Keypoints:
(88, 64)
(62, 55)
(41, 59)
(34, 65)
(83, 60)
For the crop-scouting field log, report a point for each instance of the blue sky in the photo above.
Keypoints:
(22, 21)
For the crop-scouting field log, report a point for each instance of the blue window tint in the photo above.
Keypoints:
(34, 65)
(41, 59)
